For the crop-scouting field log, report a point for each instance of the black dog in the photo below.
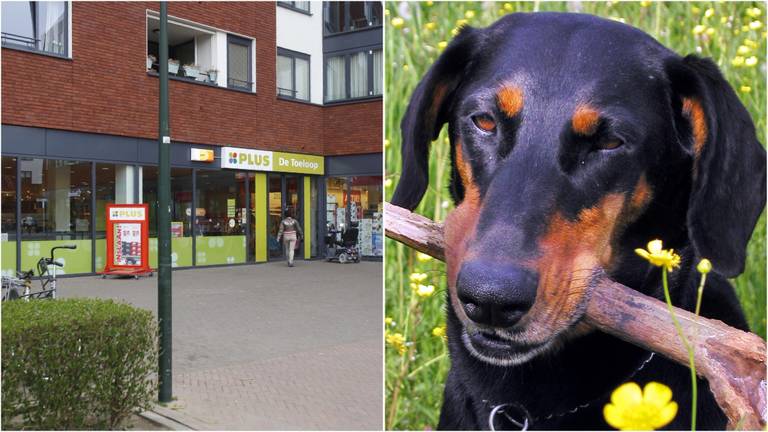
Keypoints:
(576, 140)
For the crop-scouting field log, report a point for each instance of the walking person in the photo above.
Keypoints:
(290, 232)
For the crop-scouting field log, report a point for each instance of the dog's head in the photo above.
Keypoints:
(575, 140)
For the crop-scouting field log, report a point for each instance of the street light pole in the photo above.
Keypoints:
(164, 220)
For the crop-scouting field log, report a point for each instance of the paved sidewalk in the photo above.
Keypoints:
(267, 346)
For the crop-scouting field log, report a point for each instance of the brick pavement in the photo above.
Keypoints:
(268, 347)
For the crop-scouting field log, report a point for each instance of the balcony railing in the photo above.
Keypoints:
(25, 41)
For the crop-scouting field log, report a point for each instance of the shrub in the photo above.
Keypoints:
(75, 364)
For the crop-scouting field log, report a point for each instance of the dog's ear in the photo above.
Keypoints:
(729, 165)
(428, 111)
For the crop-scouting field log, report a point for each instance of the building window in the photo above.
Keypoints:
(56, 210)
(292, 74)
(193, 54)
(356, 203)
(302, 6)
(365, 208)
(8, 205)
(339, 17)
(190, 50)
(36, 26)
(220, 217)
(239, 63)
(181, 214)
(353, 76)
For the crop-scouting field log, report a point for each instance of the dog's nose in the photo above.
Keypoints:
(496, 295)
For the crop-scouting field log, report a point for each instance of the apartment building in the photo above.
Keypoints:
(274, 107)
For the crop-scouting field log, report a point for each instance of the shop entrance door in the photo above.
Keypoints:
(284, 195)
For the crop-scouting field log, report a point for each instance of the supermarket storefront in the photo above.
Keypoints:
(227, 202)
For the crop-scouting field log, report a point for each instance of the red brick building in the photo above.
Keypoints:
(80, 120)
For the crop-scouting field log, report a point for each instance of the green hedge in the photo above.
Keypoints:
(75, 364)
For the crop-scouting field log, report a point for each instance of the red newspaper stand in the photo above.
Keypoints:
(127, 240)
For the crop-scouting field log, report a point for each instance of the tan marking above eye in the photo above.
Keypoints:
(585, 120)
(510, 100)
(484, 122)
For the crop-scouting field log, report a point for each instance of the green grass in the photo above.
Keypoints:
(414, 379)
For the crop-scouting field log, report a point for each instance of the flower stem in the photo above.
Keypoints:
(688, 347)
(700, 293)
(427, 364)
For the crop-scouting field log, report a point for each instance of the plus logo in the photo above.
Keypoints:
(232, 157)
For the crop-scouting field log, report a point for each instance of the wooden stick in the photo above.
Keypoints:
(733, 361)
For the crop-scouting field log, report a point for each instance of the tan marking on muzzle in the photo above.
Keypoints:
(569, 252)
(585, 120)
(460, 227)
(510, 100)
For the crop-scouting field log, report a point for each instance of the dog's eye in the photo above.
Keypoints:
(484, 122)
(609, 144)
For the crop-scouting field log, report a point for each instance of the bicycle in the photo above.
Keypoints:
(13, 287)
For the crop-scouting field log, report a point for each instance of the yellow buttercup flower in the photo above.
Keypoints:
(442, 45)
(634, 409)
(743, 50)
(710, 31)
(750, 43)
(508, 7)
(417, 277)
(430, 25)
(645, 3)
(754, 12)
(751, 61)
(388, 183)
(422, 257)
(425, 290)
(738, 61)
(386, 143)
(659, 256)
(705, 266)
(745, 89)
(699, 29)
(388, 320)
(397, 341)
(461, 22)
(469, 14)
(397, 22)
(755, 25)
(438, 331)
